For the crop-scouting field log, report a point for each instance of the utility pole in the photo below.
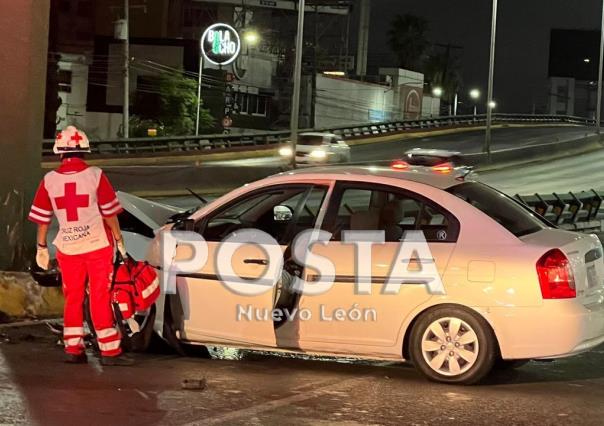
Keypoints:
(363, 38)
(599, 100)
(455, 104)
(199, 92)
(297, 81)
(126, 115)
(487, 136)
(314, 68)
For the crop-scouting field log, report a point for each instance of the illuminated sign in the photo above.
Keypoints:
(220, 44)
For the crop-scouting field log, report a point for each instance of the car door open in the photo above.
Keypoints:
(223, 301)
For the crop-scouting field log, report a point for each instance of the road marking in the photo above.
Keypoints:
(276, 403)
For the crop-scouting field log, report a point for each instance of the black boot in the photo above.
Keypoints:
(76, 359)
(117, 361)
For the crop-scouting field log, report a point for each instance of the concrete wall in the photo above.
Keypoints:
(342, 101)
(73, 107)
(430, 106)
(102, 125)
(408, 93)
(562, 95)
(23, 53)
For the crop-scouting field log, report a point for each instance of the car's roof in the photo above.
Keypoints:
(433, 152)
(415, 174)
(321, 134)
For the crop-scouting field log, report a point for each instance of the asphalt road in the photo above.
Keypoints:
(37, 388)
(469, 142)
(216, 177)
(576, 173)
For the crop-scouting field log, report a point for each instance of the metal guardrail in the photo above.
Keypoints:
(152, 145)
(581, 211)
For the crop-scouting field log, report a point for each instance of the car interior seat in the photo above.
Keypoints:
(390, 218)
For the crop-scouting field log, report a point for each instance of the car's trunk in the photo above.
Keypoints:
(585, 255)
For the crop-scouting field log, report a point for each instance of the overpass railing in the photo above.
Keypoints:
(577, 211)
(234, 142)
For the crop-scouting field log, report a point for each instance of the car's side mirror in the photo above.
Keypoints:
(282, 213)
(184, 225)
(188, 225)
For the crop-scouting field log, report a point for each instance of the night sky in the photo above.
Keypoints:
(522, 51)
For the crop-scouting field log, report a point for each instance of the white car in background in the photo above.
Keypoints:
(318, 148)
(516, 288)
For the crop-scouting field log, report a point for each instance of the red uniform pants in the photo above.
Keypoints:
(95, 268)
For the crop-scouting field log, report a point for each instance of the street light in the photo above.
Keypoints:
(492, 104)
(251, 37)
(475, 95)
(437, 92)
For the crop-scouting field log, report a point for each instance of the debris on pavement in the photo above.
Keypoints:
(194, 384)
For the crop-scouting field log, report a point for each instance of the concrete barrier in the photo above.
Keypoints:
(247, 152)
(22, 297)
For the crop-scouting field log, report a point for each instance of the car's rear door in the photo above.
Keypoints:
(358, 206)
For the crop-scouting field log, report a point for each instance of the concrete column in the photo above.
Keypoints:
(363, 38)
(23, 52)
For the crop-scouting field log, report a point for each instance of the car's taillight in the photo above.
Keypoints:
(443, 168)
(399, 165)
(556, 276)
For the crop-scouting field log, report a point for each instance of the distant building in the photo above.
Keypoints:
(396, 94)
(164, 37)
(255, 91)
(573, 72)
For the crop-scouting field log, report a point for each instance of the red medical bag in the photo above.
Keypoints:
(134, 287)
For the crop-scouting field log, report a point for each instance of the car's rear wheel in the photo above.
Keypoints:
(450, 344)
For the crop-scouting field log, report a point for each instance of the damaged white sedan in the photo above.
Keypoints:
(514, 287)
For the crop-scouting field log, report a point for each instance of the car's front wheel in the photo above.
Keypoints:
(450, 344)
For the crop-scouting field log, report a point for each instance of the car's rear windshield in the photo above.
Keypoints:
(503, 209)
(310, 140)
(425, 160)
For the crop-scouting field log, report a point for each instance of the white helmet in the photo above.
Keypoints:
(71, 139)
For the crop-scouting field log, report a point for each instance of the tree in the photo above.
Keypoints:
(443, 70)
(408, 39)
(171, 107)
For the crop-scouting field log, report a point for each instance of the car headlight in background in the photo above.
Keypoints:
(285, 151)
(318, 154)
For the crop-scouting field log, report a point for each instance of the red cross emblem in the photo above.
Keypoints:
(71, 201)
(77, 138)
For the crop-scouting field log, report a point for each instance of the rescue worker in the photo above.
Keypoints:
(86, 208)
